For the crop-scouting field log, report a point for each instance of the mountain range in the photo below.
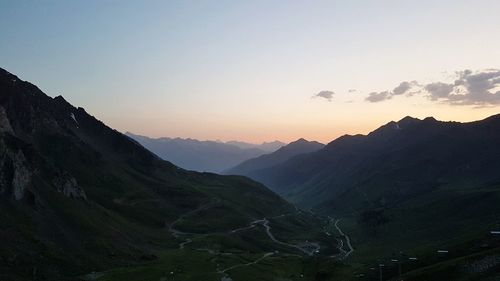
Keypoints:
(411, 186)
(204, 156)
(265, 146)
(391, 164)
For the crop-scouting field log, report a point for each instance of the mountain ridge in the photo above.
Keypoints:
(281, 155)
(192, 154)
(412, 186)
(357, 148)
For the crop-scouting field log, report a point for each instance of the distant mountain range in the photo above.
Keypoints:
(204, 156)
(265, 146)
(252, 166)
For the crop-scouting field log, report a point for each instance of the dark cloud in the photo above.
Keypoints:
(480, 88)
(328, 95)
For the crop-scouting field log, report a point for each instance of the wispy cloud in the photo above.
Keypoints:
(328, 95)
(480, 88)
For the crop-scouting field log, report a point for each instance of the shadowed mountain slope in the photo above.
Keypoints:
(409, 188)
(393, 163)
(251, 166)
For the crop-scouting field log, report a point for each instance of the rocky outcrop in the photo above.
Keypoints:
(15, 174)
(68, 186)
(16, 177)
(4, 122)
(22, 176)
(5, 171)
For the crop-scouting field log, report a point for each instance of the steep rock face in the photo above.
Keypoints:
(5, 126)
(16, 176)
(15, 173)
(22, 176)
(68, 186)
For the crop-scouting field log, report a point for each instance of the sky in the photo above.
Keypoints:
(258, 70)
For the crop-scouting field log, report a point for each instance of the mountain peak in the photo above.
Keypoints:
(407, 120)
(276, 142)
(295, 148)
(301, 140)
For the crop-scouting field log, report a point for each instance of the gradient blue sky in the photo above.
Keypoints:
(247, 69)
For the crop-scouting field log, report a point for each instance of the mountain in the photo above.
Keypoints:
(409, 188)
(397, 161)
(210, 156)
(79, 200)
(266, 146)
(251, 166)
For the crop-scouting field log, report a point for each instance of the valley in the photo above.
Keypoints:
(83, 201)
(227, 263)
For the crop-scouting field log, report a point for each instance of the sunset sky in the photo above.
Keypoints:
(259, 70)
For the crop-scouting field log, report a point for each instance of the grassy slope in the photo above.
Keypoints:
(454, 219)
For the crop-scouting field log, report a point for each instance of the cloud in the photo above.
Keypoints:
(352, 90)
(402, 88)
(328, 95)
(480, 88)
(378, 96)
(438, 90)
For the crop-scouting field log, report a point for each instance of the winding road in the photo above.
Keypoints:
(245, 264)
(177, 233)
(341, 243)
(308, 248)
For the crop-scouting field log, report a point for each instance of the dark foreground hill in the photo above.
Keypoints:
(252, 166)
(78, 197)
(202, 156)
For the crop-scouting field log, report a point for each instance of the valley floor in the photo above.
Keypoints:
(228, 255)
